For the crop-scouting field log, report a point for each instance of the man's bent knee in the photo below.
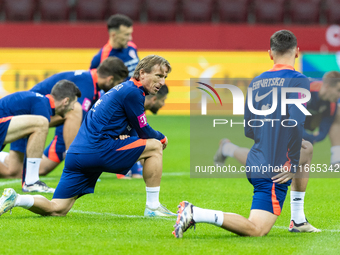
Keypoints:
(42, 123)
(154, 144)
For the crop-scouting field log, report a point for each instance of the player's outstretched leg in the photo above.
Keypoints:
(228, 149)
(152, 174)
(37, 203)
(298, 221)
(259, 223)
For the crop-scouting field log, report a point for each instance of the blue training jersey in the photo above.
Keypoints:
(323, 114)
(86, 81)
(128, 55)
(119, 112)
(27, 102)
(276, 145)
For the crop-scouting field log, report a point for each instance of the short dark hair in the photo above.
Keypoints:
(332, 78)
(65, 88)
(282, 41)
(113, 66)
(148, 63)
(115, 21)
(162, 92)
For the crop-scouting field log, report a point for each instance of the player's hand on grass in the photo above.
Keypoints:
(283, 176)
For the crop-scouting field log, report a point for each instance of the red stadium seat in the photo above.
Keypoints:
(91, 9)
(22, 10)
(54, 10)
(162, 10)
(333, 11)
(269, 11)
(198, 10)
(304, 11)
(130, 8)
(233, 11)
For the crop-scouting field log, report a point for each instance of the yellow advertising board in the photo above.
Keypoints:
(21, 69)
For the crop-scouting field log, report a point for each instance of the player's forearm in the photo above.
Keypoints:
(72, 124)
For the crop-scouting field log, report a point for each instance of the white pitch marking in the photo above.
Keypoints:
(122, 215)
(9, 182)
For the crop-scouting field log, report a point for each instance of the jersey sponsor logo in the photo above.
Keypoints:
(38, 95)
(142, 120)
(259, 98)
(86, 104)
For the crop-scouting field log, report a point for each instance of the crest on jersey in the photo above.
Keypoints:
(132, 54)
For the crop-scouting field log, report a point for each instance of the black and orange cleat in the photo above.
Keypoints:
(184, 219)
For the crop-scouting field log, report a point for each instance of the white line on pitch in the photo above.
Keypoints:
(9, 182)
(121, 215)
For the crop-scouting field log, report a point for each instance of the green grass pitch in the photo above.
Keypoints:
(110, 220)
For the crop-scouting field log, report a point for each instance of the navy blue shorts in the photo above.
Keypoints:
(4, 123)
(268, 196)
(19, 145)
(82, 170)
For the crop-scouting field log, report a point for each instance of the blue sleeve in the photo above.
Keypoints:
(133, 132)
(96, 60)
(134, 108)
(308, 136)
(248, 131)
(324, 128)
(295, 133)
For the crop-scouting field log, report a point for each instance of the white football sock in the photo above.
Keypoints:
(296, 206)
(3, 156)
(335, 154)
(208, 216)
(228, 149)
(24, 201)
(32, 170)
(152, 197)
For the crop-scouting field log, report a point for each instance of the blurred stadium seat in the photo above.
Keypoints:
(20, 10)
(304, 11)
(198, 10)
(162, 10)
(130, 8)
(333, 11)
(91, 9)
(233, 11)
(269, 11)
(54, 10)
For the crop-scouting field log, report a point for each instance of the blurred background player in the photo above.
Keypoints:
(103, 145)
(152, 103)
(110, 72)
(119, 45)
(273, 146)
(322, 106)
(29, 113)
